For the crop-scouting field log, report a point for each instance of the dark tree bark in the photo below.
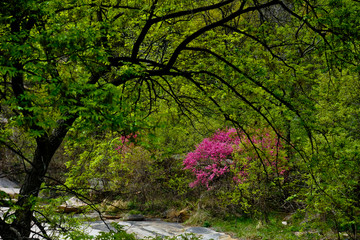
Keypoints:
(46, 147)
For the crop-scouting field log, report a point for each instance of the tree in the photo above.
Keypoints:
(105, 64)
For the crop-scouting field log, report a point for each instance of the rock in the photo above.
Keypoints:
(177, 216)
(299, 234)
(69, 209)
(259, 225)
(97, 183)
(9, 187)
(114, 206)
(134, 217)
(12, 192)
(227, 237)
(101, 226)
(3, 120)
(75, 202)
(6, 183)
(344, 235)
(211, 236)
(208, 233)
(160, 229)
(198, 230)
(111, 217)
(73, 205)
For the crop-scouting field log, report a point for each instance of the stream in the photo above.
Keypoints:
(142, 229)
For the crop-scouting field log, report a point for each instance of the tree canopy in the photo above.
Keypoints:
(93, 65)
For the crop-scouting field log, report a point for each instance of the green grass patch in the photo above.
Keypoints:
(251, 229)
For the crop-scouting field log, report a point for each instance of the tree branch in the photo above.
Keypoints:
(283, 101)
(209, 27)
(261, 42)
(143, 32)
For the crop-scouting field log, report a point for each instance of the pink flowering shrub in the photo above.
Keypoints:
(126, 143)
(227, 153)
(209, 160)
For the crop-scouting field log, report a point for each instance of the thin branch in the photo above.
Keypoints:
(82, 198)
(144, 31)
(192, 11)
(319, 31)
(42, 229)
(262, 43)
(283, 101)
(151, 21)
(209, 27)
(17, 152)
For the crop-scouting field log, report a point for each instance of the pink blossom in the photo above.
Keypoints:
(212, 158)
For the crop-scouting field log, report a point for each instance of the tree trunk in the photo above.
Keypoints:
(46, 147)
(32, 184)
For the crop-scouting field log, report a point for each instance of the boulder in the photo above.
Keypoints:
(12, 192)
(68, 209)
(9, 187)
(110, 217)
(73, 205)
(134, 217)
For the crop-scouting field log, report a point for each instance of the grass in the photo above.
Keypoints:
(250, 229)
(199, 218)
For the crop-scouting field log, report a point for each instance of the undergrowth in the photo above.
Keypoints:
(277, 228)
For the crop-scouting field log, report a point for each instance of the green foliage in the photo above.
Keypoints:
(249, 228)
(96, 70)
(127, 168)
(242, 169)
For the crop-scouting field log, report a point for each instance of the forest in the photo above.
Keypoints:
(230, 113)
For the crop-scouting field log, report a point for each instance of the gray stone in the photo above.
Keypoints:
(6, 183)
(73, 205)
(198, 230)
(10, 191)
(100, 225)
(9, 187)
(134, 217)
(97, 183)
(211, 236)
(146, 229)
(158, 231)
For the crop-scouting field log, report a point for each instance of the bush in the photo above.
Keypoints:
(122, 167)
(245, 168)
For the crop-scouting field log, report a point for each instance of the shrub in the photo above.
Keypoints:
(228, 152)
(247, 168)
(120, 166)
(212, 157)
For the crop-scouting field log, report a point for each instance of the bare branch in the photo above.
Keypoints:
(265, 45)
(209, 27)
(283, 101)
(151, 21)
(144, 31)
